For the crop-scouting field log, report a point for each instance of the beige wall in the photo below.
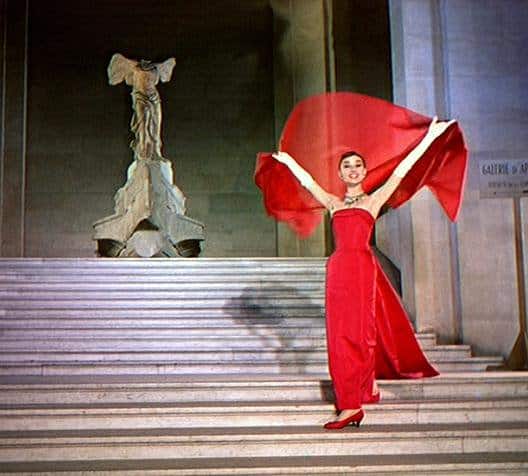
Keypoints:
(465, 59)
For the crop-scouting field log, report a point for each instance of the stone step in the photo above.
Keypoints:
(146, 288)
(85, 266)
(275, 366)
(198, 347)
(54, 279)
(152, 262)
(162, 368)
(230, 332)
(148, 389)
(176, 337)
(177, 325)
(248, 442)
(157, 346)
(448, 464)
(189, 315)
(265, 304)
(242, 414)
(170, 269)
(221, 295)
(186, 351)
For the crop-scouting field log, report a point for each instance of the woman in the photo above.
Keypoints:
(351, 287)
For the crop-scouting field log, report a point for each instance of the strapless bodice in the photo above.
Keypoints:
(352, 229)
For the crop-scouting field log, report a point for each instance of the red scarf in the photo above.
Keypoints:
(321, 128)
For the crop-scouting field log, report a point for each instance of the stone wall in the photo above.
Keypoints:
(241, 67)
(465, 59)
(218, 112)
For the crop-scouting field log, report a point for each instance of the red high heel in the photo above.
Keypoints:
(353, 420)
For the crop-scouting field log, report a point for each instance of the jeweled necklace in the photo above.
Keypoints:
(350, 200)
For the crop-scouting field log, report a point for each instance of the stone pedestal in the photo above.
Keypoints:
(149, 219)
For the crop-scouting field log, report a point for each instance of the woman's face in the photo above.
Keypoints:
(352, 170)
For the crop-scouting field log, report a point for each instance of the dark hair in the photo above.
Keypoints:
(351, 153)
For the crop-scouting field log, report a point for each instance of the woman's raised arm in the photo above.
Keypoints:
(436, 129)
(326, 199)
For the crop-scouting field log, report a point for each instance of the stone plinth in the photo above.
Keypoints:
(149, 219)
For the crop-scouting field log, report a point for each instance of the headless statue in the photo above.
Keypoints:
(143, 76)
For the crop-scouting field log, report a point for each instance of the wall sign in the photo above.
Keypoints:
(503, 178)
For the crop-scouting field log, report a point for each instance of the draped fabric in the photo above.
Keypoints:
(145, 124)
(398, 354)
(321, 128)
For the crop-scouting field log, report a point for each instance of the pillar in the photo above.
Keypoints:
(302, 67)
(14, 123)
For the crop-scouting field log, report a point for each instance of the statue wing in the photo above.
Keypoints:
(165, 69)
(120, 68)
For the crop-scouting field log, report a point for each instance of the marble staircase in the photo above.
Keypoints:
(218, 366)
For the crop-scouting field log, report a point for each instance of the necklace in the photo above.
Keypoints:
(350, 200)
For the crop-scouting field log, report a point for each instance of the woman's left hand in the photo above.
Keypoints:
(437, 128)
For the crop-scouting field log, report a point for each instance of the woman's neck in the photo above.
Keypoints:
(354, 190)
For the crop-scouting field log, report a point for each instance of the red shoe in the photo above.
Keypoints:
(353, 420)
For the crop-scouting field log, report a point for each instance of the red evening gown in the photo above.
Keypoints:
(368, 333)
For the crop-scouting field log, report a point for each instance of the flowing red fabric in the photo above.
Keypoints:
(321, 128)
(398, 354)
